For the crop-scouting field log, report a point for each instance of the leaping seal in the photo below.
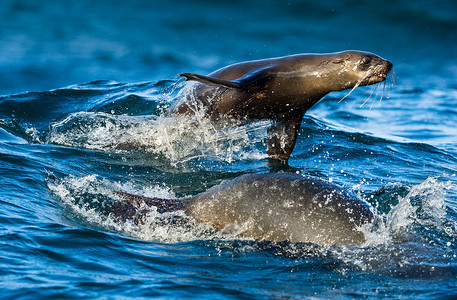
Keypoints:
(267, 207)
(279, 89)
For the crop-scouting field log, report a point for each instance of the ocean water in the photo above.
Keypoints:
(84, 86)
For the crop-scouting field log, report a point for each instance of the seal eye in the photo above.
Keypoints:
(366, 60)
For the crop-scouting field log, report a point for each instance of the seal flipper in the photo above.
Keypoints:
(282, 136)
(211, 80)
(134, 207)
(257, 79)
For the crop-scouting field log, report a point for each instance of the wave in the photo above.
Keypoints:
(423, 206)
(415, 233)
(178, 138)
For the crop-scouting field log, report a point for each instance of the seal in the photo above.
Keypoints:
(266, 207)
(279, 89)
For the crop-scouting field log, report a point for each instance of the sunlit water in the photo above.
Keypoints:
(64, 151)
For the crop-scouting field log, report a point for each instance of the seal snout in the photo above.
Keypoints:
(379, 73)
(389, 65)
(384, 66)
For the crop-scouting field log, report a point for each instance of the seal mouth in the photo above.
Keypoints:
(375, 78)
(379, 73)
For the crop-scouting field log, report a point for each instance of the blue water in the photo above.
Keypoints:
(79, 78)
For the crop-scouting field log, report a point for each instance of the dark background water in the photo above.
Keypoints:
(77, 76)
(49, 44)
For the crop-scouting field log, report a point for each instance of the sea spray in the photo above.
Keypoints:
(424, 205)
(177, 138)
(394, 239)
(88, 200)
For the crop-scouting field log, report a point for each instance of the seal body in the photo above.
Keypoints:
(269, 207)
(279, 89)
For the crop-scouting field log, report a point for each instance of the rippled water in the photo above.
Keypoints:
(85, 87)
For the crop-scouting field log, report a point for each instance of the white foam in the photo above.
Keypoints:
(178, 138)
(87, 199)
(424, 205)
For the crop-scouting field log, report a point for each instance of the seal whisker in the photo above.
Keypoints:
(367, 75)
(388, 84)
(350, 92)
(376, 93)
(384, 89)
(392, 76)
(374, 101)
(371, 94)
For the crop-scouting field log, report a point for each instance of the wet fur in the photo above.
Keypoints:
(280, 90)
(271, 207)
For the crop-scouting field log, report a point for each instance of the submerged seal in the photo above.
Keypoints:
(279, 89)
(267, 207)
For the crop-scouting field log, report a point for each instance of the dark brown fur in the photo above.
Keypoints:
(279, 89)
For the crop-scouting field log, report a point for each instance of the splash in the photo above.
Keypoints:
(394, 237)
(423, 206)
(413, 239)
(88, 200)
(21, 130)
(177, 138)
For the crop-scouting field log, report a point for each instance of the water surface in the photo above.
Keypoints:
(80, 78)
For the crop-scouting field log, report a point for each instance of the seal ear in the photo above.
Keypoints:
(338, 61)
(257, 79)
